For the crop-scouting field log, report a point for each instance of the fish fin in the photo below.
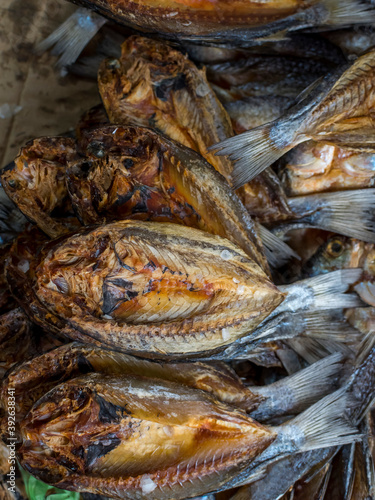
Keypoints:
(331, 325)
(255, 150)
(348, 12)
(276, 250)
(314, 349)
(350, 213)
(299, 391)
(72, 36)
(322, 425)
(323, 292)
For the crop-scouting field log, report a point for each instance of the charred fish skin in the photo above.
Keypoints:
(133, 172)
(127, 414)
(134, 271)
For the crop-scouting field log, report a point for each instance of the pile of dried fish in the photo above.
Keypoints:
(186, 312)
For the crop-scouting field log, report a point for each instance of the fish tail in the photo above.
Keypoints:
(322, 425)
(323, 292)
(348, 12)
(297, 392)
(72, 36)
(276, 250)
(350, 213)
(255, 150)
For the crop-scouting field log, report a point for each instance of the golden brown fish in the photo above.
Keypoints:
(135, 286)
(288, 396)
(135, 173)
(336, 109)
(128, 437)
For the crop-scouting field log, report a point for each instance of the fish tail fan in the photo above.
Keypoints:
(349, 12)
(322, 425)
(350, 213)
(255, 150)
(323, 292)
(72, 36)
(297, 392)
(276, 250)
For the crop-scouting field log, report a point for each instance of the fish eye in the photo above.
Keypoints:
(335, 248)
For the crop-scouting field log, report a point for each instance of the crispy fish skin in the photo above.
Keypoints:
(129, 436)
(314, 168)
(155, 289)
(35, 181)
(135, 173)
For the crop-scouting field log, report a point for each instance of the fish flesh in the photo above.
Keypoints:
(176, 100)
(335, 109)
(314, 168)
(136, 173)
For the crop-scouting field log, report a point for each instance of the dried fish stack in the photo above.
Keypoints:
(187, 312)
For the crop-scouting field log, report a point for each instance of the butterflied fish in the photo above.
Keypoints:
(133, 172)
(336, 109)
(132, 436)
(146, 290)
(314, 167)
(128, 278)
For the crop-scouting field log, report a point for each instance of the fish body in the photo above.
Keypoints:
(217, 20)
(146, 294)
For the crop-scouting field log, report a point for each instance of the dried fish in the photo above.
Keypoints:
(175, 99)
(135, 173)
(146, 294)
(219, 21)
(100, 419)
(313, 167)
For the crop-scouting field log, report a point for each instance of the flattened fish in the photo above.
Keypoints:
(133, 172)
(153, 288)
(129, 436)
